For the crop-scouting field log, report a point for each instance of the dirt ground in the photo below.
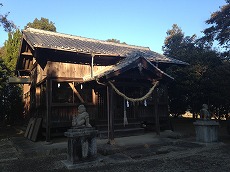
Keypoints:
(180, 153)
(9, 131)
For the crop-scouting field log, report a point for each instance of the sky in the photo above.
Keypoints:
(136, 22)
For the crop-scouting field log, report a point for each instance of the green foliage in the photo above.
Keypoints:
(220, 27)
(175, 43)
(43, 24)
(10, 95)
(115, 41)
(200, 81)
(173, 40)
(11, 106)
(3, 75)
(7, 24)
(11, 50)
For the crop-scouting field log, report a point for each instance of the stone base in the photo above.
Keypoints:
(206, 131)
(82, 145)
(69, 165)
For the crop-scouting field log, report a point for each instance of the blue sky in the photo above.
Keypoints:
(136, 22)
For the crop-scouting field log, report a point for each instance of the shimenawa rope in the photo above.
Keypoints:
(135, 99)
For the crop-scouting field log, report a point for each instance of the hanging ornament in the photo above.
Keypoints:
(140, 67)
(127, 103)
(145, 102)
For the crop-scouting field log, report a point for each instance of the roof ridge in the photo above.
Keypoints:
(33, 30)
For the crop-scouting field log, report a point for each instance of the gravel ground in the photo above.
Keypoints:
(178, 154)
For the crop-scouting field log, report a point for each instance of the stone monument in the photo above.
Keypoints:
(206, 129)
(82, 145)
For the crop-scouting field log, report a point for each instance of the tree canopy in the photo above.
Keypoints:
(200, 81)
(175, 42)
(7, 24)
(11, 95)
(11, 49)
(11, 106)
(115, 41)
(43, 24)
(219, 29)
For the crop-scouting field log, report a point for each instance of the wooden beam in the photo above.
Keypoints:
(66, 79)
(17, 80)
(76, 92)
(27, 54)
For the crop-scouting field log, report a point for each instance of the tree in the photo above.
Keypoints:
(200, 81)
(175, 43)
(3, 78)
(115, 41)
(173, 40)
(11, 49)
(7, 24)
(11, 106)
(43, 24)
(220, 28)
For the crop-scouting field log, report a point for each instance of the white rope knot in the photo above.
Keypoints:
(135, 99)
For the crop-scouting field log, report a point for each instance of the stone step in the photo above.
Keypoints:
(102, 127)
(122, 132)
(117, 121)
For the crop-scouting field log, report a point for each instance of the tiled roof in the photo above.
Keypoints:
(58, 41)
(123, 63)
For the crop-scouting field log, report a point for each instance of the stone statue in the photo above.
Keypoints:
(204, 113)
(82, 119)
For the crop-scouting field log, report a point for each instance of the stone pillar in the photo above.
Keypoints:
(82, 145)
(206, 131)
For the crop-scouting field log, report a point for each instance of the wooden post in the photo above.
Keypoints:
(92, 55)
(157, 122)
(110, 112)
(76, 92)
(48, 108)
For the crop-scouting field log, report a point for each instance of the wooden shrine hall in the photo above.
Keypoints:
(122, 86)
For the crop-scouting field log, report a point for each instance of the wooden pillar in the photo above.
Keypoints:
(157, 120)
(48, 107)
(92, 63)
(110, 112)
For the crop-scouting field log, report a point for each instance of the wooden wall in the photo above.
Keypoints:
(62, 113)
(58, 69)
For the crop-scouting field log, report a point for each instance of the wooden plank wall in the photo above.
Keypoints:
(59, 69)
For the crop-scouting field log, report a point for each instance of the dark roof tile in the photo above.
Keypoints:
(58, 41)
